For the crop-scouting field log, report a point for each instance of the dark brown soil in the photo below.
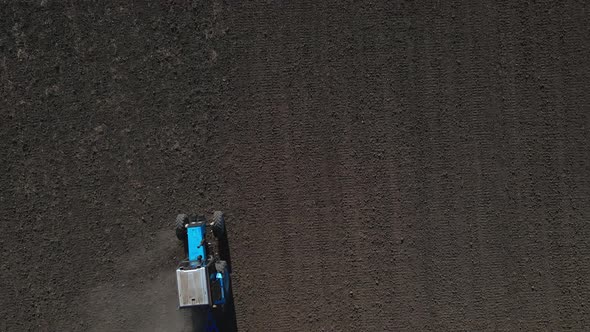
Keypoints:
(384, 165)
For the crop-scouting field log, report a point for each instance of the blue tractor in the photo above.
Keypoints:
(203, 279)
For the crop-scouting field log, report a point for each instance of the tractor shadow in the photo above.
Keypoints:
(226, 318)
(218, 319)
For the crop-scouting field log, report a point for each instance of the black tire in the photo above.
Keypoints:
(218, 225)
(181, 222)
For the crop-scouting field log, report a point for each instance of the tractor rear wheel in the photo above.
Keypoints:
(218, 225)
(180, 227)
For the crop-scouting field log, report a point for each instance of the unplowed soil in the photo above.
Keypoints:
(384, 165)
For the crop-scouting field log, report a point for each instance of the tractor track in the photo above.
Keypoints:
(382, 166)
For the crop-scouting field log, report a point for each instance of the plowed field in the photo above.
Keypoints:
(383, 165)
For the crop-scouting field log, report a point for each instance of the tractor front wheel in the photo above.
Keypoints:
(218, 225)
(180, 227)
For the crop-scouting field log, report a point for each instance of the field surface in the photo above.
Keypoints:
(383, 165)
